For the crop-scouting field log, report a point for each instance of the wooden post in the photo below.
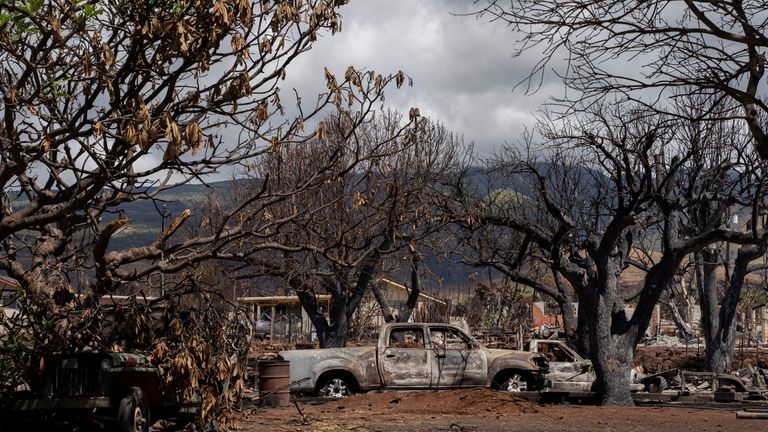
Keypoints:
(272, 325)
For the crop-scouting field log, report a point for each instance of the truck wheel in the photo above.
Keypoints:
(514, 382)
(335, 386)
(133, 413)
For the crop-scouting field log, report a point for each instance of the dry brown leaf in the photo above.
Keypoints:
(173, 136)
(193, 135)
(321, 131)
(220, 13)
(414, 114)
(10, 96)
(130, 134)
(399, 79)
(87, 65)
(330, 80)
(107, 55)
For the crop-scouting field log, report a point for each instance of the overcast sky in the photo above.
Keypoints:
(462, 68)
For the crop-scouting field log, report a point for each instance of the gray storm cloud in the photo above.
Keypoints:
(462, 67)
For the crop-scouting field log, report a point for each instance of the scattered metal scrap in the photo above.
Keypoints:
(748, 383)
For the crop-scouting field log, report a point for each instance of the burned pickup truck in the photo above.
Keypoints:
(108, 388)
(414, 356)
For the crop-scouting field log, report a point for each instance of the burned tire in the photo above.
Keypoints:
(336, 386)
(513, 381)
(133, 412)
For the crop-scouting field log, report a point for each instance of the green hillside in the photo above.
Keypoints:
(146, 217)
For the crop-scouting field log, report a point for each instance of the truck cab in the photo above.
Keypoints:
(433, 356)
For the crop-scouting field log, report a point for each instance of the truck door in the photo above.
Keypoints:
(456, 360)
(405, 361)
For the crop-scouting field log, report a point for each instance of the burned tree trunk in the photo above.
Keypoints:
(613, 334)
(582, 331)
(332, 332)
(404, 312)
(611, 350)
(613, 364)
(337, 331)
(381, 299)
(717, 339)
(415, 292)
(570, 322)
(719, 325)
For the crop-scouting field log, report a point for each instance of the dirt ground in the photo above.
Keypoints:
(482, 410)
(488, 410)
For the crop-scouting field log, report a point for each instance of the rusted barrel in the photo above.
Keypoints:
(274, 383)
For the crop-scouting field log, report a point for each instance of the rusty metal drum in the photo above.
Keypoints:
(275, 383)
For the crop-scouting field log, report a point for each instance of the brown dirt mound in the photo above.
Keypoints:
(457, 402)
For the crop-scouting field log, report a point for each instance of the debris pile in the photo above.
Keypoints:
(743, 384)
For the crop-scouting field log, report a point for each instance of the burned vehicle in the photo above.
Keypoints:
(568, 371)
(414, 356)
(748, 383)
(113, 388)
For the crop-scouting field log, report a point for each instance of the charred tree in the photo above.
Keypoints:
(105, 104)
(710, 50)
(719, 313)
(366, 203)
(404, 312)
(611, 185)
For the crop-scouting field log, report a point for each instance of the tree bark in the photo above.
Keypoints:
(309, 303)
(613, 365)
(610, 351)
(345, 300)
(570, 322)
(335, 336)
(331, 332)
(706, 263)
(719, 326)
(381, 299)
(405, 311)
(614, 335)
(336, 333)
(413, 295)
(582, 330)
